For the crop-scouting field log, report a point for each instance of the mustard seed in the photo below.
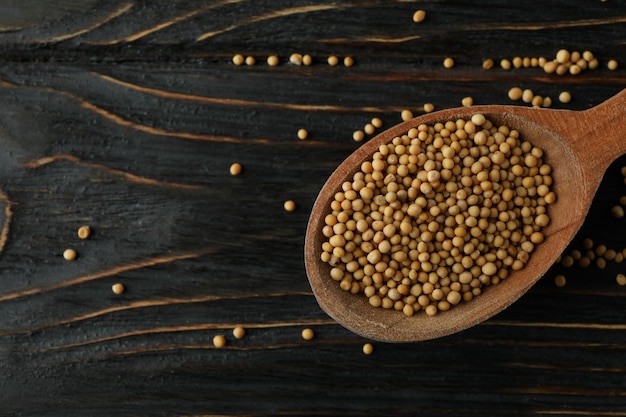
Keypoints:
(419, 16)
(601, 263)
(238, 59)
(84, 232)
(118, 288)
(429, 107)
(565, 97)
(358, 135)
(348, 61)
(562, 56)
(239, 332)
(308, 334)
(515, 93)
(527, 95)
(333, 60)
(307, 60)
(467, 101)
(617, 212)
(587, 243)
(406, 115)
(302, 134)
(488, 63)
(250, 60)
(235, 169)
(295, 59)
(219, 341)
(369, 129)
(517, 62)
(505, 64)
(70, 254)
(289, 205)
(612, 65)
(272, 60)
(621, 279)
(448, 62)
(377, 122)
(560, 280)
(368, 349)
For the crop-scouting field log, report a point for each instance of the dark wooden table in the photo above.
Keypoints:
(126, 115)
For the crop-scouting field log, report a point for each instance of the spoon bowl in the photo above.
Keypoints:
(579, 145)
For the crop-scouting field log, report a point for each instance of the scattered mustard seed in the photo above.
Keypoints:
(295, 59)
(333, 60)
(565, 97)
(70, 254)
(406, 115)
(429, 107)
(307, 60)
(84, 232)
(488, 63)
(560, 280)
(377, 122)
(272, 60)
(302, 134)
(587, 243)
(308, 334)
(250, 60)
(238, 59)
(239, 332)
(118, 288)
(368, 349)
(358, 135)
(621, 279)
(622, 199)
(612, 65)
(219, 341)
(515, 93)
(617, 212)
(235, 169)
(289, 205)
(601, 263)
(419, 16)
(448, 62)
(527, 95)
(348, 61)
(369, 129)
(505, 64)
(467, 101)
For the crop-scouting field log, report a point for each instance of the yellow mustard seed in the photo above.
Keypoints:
(419, 16)
(601, 263)
(250, 60)
(239, 332)
(621, 279)
(515, 93)
(467, 101)
(272, 60)
(488, 63)
(584, 262)
(307, 59)
(84, 232)
(369, 129)
(617, 212)
(238, 59)
(622, 199)
(289, 205)
(565, 97)
(537, 101)
(505, 64)
(429, 107)
(562, 56)
(333, 60)
(70, 254)
(302, 134)
(448, 62)
(612, 65)
(406, 115)
(118, 288)
(527, 95)
(348, 61)
(295, 59)
(358, 135)
(235, 169)
(377, 122)
(517, 62)
(219, 341)
(547, 102)
(308, 334)
(560, 280)
(368, 349)
(550, 67)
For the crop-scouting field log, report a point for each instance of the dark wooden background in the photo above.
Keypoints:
(126, 115)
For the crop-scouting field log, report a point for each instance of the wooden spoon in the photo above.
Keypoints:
(579, 145)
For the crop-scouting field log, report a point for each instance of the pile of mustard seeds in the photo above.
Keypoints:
(438, 214)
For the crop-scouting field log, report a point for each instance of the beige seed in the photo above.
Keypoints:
(239, 332)
(617, 212)
(250, 61)
(560, 280)
(272, 60)
(565, 97)
(348, 61)
(377, 122)
(333, 60)
(358, 135)
(527, 95)
(238, 59)
(289, 205)
(219, 341)
(406, 115)
(235, 169)
(295, 59)
(419, 16)
(118, 288)
(368, 349)
(302, 134)
(515, 93)
(467, 101)
(517, 62)
(448, 62)
(369, 129)
(612, 65)
(488, 63)
(307, 60)
(621, 279)
(429, 107)
(505, 64)
(70, 254)
(84, 232)
(308, 334)
(562, 56)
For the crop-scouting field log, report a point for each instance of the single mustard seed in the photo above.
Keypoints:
(239, 332)
(617, 212)
(488, 63)
(565, 97)
(272, 60)
(505, 64)
(84, 232)
(333, 60)
(118, 288)
(250, 60)
(369, 129)
(377, 122)
(70, 254)
(308, 334)
(467, 101)
(219, 341)
(368, 349)
(307, 60)
(448, 62)
(348, 61)
(358, 135)
(406, 115)
(235, 169)
(429, 107)
(621, 279)
(302, 134)
(515, 93)
(562, 56)
(238, 59)
(289, 205)
(527, 95)
(419, 16)
(612, 65)
(560, 280)
(295, 59)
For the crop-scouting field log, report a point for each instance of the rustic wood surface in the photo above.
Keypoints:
(126, 116)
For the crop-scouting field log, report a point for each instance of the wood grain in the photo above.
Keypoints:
(126, 116)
